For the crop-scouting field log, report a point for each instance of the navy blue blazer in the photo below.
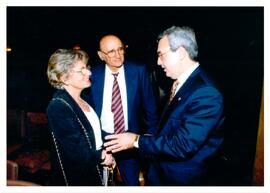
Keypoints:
(189, 133)
(142, 107)
(78, 159)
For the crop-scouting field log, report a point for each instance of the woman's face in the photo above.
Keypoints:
(79, 76)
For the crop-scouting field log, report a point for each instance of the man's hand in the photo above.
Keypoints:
(120, 142)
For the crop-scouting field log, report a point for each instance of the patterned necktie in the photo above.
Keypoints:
(174, 86)
(117, 108)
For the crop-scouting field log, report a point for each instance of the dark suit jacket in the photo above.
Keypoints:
(79, 161)
(142, 107)
(190, 132)
(142, 112)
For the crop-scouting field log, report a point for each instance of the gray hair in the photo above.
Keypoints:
(181, 37)
(60, 64)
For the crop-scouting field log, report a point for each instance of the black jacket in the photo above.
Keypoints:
(79, 160)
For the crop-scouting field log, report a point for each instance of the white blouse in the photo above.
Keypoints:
(95, 123)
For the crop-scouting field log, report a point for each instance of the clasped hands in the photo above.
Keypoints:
(119, 142)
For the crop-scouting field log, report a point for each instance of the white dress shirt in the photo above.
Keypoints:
(106, 118)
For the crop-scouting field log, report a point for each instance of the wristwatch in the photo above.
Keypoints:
(136, 141)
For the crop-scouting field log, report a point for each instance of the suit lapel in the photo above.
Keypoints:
(130, 86)
(181, 94)
(98, 87)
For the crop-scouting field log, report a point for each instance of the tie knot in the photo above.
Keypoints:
(175, 83)
(115, 75)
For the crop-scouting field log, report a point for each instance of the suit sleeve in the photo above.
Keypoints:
(188, 131)
(68, 133)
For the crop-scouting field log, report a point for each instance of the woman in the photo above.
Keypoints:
(77, 156)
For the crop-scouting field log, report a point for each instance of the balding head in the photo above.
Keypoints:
(111, 51)
(109, 41)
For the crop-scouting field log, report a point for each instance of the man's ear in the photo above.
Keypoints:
(182, 53)
(100, 55)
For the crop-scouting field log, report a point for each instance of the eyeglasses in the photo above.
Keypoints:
(112, 53)
(161, 55)
(83, 71)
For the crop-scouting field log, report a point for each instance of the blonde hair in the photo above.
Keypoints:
(60, 64)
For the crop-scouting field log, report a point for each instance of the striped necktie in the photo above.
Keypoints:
(117, 107)
(173, 89)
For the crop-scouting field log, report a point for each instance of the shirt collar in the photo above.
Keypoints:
(120, 70)
(184, 76)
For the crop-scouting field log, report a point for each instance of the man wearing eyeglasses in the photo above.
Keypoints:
(123, 98)
(190, 130)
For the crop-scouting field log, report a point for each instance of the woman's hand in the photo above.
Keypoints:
(107, 159)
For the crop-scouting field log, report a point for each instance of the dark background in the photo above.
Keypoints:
(230, 41)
